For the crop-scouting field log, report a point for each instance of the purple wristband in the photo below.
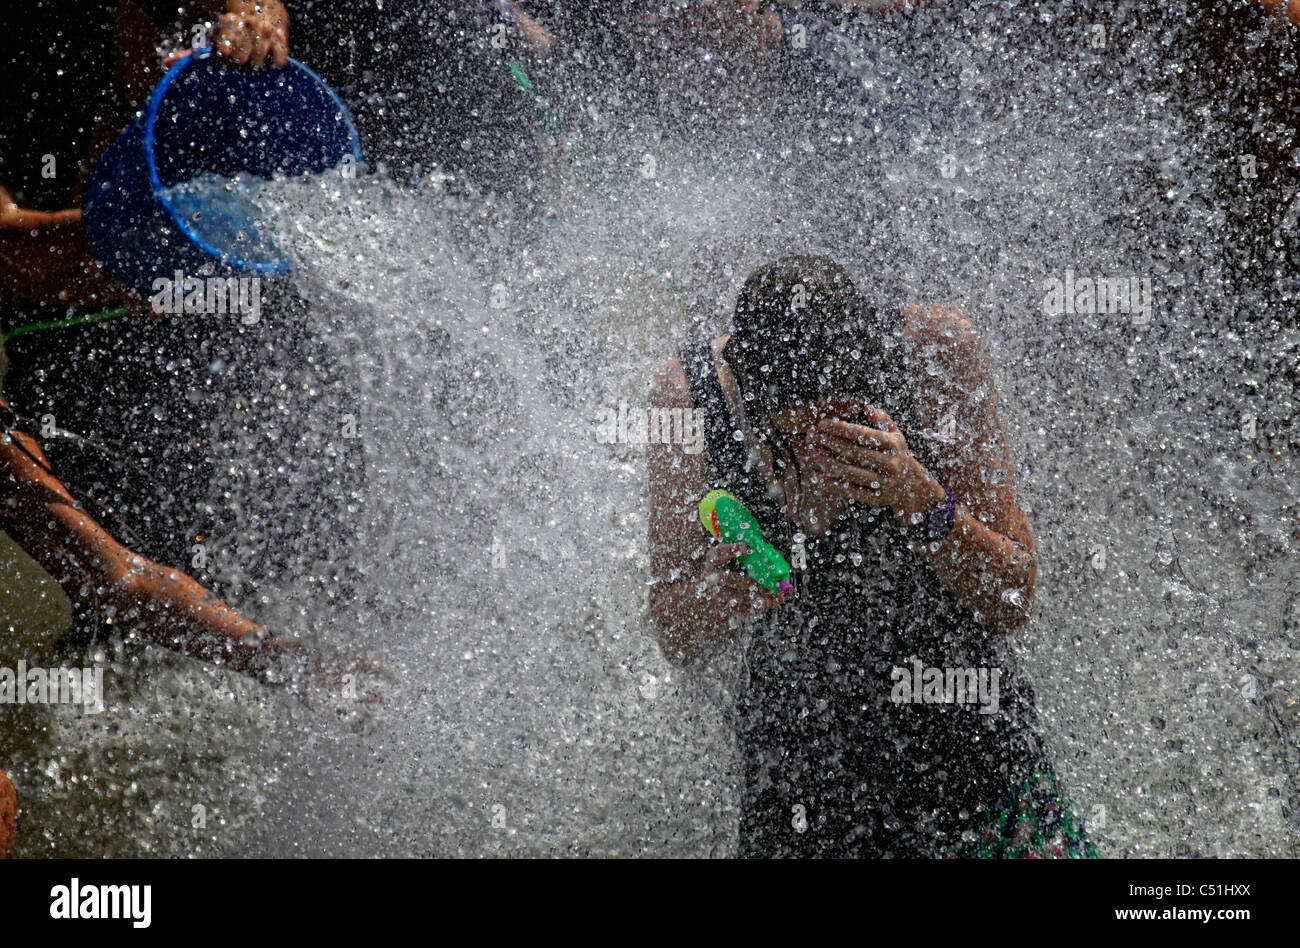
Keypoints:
(938, 523)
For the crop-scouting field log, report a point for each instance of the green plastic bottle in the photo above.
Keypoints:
(728, 519)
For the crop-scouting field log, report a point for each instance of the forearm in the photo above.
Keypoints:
(151, 601)
(170, 608)
(21, 221)
(988, 572)
(693, 612)
(689, 623)
(155, 602)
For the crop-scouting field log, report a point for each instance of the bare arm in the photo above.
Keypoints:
(988, 562)
(692, 598)
(1288, 8)
(157, 603)
(16, 220)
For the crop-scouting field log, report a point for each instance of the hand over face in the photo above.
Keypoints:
(870, 462)
(857, 454)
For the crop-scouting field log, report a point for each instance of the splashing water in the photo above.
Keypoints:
(500, 547)
(223, 213)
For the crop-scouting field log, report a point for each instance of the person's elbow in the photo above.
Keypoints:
(1017, 603)
(675, 642)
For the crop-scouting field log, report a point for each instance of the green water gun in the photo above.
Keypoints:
(727, 519)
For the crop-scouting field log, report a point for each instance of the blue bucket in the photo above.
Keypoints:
(207, 117)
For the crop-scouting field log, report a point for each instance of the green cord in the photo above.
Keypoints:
(584, 160)
(547, 114)
(65, 323)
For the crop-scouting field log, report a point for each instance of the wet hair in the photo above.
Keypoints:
(803, 332)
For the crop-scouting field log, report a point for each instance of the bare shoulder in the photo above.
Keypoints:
(670, 386)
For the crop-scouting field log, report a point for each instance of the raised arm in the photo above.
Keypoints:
(988, 560)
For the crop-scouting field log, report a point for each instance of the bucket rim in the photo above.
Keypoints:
(150, 115)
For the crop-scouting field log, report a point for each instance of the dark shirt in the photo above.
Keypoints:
(428, 84)
(57, 78)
